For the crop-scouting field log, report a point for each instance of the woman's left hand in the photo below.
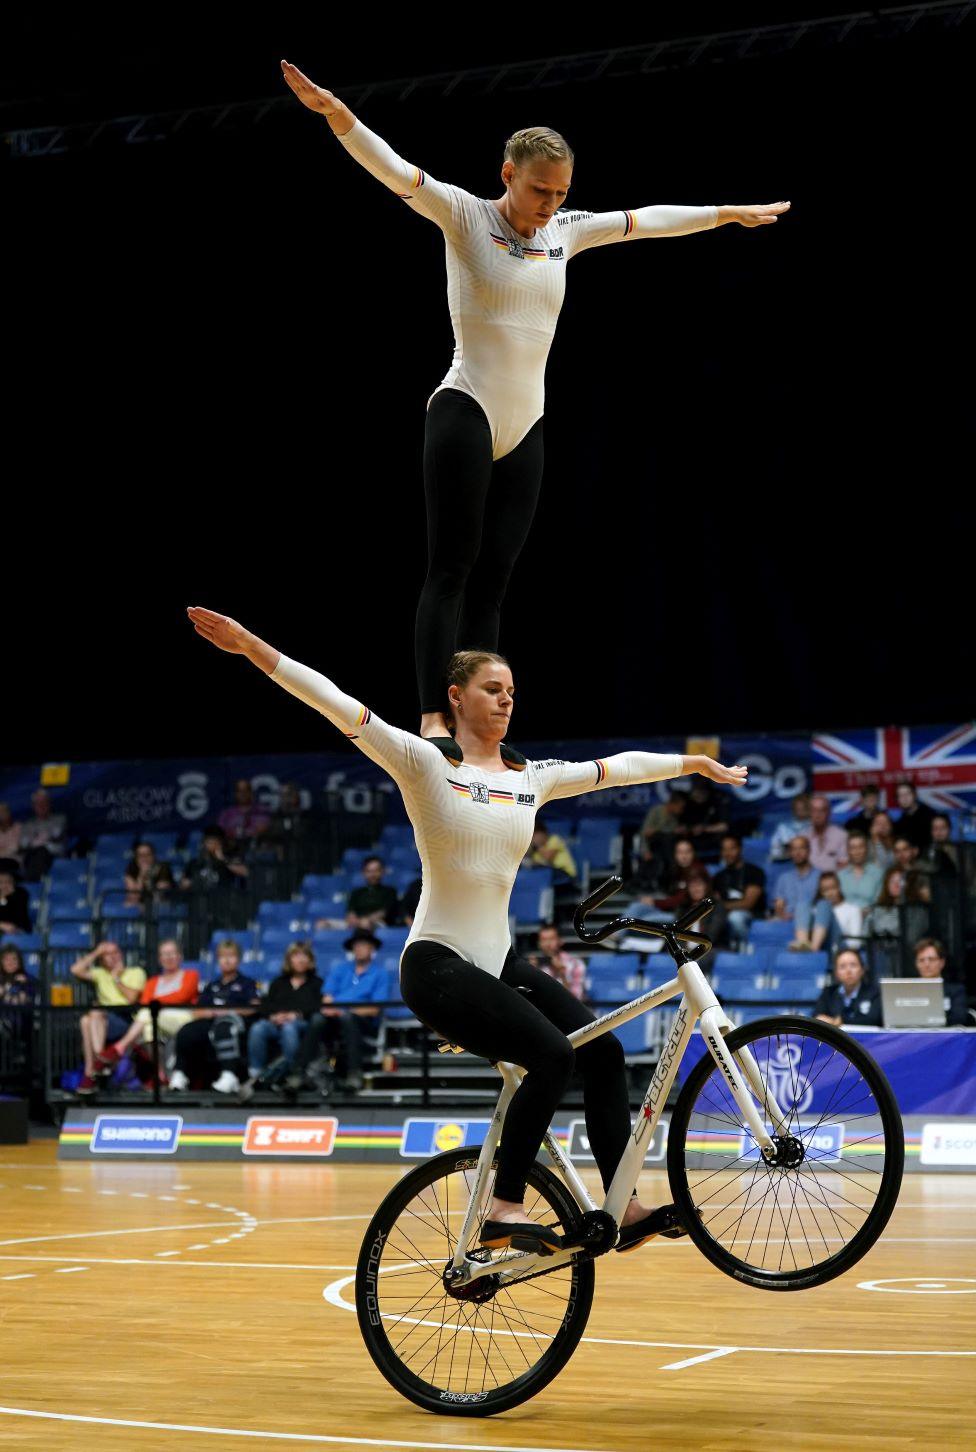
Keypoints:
(727, 775)
(757, 215)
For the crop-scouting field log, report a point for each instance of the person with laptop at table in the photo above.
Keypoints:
(852, 999)
(930, 962)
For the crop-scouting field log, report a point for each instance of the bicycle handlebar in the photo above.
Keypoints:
(672, 933)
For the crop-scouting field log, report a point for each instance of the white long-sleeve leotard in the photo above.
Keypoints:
(472, 827)
(505, 291)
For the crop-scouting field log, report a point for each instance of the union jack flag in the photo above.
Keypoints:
(939, 761)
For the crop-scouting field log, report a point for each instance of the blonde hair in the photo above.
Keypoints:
(537, 143)
(464, 663)
(298, 947)
(229, 945)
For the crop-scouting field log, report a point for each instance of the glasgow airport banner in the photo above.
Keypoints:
(180, 795)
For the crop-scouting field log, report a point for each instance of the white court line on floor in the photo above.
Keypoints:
(705, 1356)
(138, 1230)
(317, 1437)
(274, 1265)
(26, 1277)
(69, 1270)
(333, 1294)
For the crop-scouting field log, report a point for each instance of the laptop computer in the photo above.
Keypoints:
(912, 1003)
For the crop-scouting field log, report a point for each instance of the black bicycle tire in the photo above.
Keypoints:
(878, 1216)
(370, 1323)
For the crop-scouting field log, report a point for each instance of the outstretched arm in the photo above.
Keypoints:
(404, 756)
(627, 768)
(443, 204)
(596, 229)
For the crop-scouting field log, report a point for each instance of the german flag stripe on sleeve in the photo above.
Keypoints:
(365, 716)
(630, 222)
(601, 771)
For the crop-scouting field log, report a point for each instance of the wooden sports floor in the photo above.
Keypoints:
(151, 1305)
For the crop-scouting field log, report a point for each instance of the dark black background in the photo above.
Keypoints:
(757, 510)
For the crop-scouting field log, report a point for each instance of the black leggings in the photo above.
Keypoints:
(478, 518)
(524, 1018)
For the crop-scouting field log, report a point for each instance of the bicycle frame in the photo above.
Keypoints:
(698, 1004)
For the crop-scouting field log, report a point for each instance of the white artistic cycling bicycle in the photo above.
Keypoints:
(785, 1155)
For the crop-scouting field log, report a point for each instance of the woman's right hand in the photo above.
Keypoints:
(310, 95)
(220, 630)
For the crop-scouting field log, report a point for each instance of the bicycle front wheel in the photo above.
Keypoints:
(820, 1206)
(472, 1354)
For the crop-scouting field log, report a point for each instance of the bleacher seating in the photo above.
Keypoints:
(291, 917)
(532, 896)
(756, 851)
(771, 931)
(598, 842)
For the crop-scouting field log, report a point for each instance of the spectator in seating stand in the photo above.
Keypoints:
(174, 987)
(741, 888)
(915, 821)
(553, 959)
(797, 825)
(17, 987)
(547, 849)
(9, 840)
(831, 922)
(292, 998)
(147, 880)
(359, 987)
(860, 881)
(941, 857)
(117, 988)
(796, 886)
(42, 837)
(716, 925)
(704, 818)
(287, 822)
(931, 962)
(883, 922)
(373, 903)
(658, 828)
(675, 885)
(245, 820)
(409, 901)
(881, 850)
(14, 905)
(908, 858)
(212, 1045)
(852, 997)
(213, 868)
(869, 806)
(828, 842)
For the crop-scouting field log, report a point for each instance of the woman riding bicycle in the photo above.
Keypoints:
(459, 974)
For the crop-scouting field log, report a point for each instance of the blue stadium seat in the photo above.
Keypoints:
(598, 842)
(403, 856)
(800, 994)
(66, 942)
(69, 909)
(770, 930)
(742, 1016)
(633, 1035)
(756, 851)
(325, 884)
(353, 859)
(68, 870)
(789, 967)
(276, 940)
(26, 942)
(532, 896)
(114, 844)
(738, 985)
(329, 940)
(393, 835)
(333, 906)
(394, 939)
(726, 962)
(402, 877)
(286, 916)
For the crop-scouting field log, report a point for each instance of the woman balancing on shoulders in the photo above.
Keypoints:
(473, 822)
(506, 268)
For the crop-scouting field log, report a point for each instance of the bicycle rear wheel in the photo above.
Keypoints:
(472, 1355)
(816, 1211)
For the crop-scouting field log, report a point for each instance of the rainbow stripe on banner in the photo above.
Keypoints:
(231, 1136)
